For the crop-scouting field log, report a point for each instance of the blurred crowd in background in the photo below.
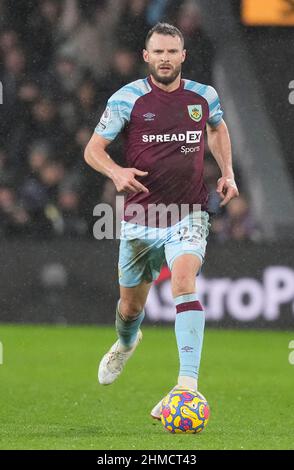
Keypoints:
(59, 63)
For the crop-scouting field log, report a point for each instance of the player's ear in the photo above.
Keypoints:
(184, 53)
(145, 55)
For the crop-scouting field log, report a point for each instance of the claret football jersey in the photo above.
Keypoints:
(163, 134)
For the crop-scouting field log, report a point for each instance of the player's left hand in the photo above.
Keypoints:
(227, 189)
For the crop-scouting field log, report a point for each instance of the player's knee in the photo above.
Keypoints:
(130, 309)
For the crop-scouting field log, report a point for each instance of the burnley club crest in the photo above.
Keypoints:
(195, 112)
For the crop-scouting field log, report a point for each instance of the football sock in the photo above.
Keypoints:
(189, 330)
(127, 330)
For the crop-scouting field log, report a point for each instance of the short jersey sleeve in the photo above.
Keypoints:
(215, 111)
(113, 120)
(119, 108)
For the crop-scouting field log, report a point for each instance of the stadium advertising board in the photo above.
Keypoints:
(241, 285)
(267, 12)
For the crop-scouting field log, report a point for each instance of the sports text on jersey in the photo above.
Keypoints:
(190, 137)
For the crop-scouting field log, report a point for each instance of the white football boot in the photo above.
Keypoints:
(113, 362)
(156, 411)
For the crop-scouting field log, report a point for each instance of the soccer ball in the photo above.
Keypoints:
(184, 411)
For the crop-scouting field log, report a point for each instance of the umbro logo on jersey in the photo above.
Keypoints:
(149, 117)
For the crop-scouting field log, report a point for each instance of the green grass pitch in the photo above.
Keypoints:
(50, 399)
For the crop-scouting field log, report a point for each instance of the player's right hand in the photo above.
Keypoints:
(124, 180)
(227, 189)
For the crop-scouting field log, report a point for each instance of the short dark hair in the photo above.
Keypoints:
(165, 29)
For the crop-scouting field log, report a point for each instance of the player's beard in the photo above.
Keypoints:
(165, 79)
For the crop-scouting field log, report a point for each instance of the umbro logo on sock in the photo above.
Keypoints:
(187, 349)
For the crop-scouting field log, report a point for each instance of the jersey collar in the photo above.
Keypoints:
(159, 90)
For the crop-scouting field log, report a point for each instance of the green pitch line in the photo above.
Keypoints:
(49, 397)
